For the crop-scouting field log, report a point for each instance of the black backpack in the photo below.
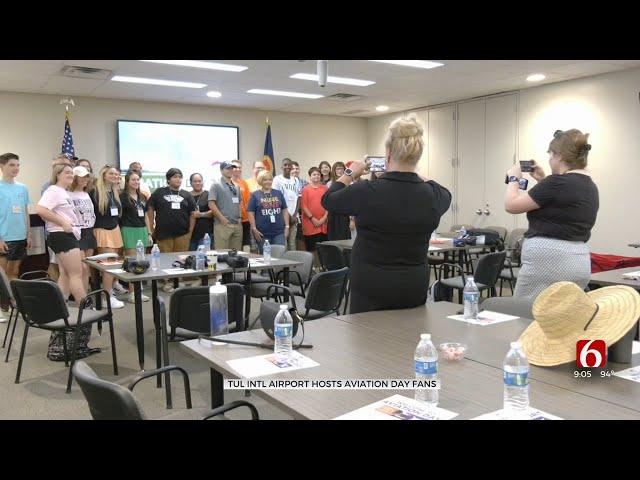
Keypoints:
(491, 237)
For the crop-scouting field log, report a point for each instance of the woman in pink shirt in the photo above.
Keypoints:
(57, 210)
(314, 216)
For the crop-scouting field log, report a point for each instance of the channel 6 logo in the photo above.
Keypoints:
(591, 353)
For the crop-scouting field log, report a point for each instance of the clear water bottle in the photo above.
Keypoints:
(283, 334)
(516, 382)
(139, 251)
(206, 242)
(266, 252)
(426, 368)
(218, 313)
(471, 297)
(201, 256)
(155, 257)
(463, 231)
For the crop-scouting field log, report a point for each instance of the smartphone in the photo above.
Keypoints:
(526, 165)
(523, 183)
(377, 164)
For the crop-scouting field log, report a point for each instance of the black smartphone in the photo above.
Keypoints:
(526, 165)
(377, 164)
(523, 183)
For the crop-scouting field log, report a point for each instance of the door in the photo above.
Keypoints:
(500, 153)
(471, 164)
(441, 141)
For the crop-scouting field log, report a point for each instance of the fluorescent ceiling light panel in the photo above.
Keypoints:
(214, 94)
(154, 81)
(330, 79)
(536, 77)
(382, 108)
(412, 63)
(284, 94)
(199, 64)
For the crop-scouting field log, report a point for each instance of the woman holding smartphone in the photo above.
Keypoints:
(561, 210)
(338, 225)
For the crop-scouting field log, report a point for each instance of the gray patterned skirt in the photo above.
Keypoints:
(548, 260)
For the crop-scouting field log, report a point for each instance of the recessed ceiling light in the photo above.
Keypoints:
(536, 77)
(284, 94)
(199, 64)
(154, 81)
(382, 108)
(330, 79)
(412, 63)
(214, 94)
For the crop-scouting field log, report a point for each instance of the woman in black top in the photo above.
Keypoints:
(394, 216)
(561, 210)
(203, 214)
(337, 225)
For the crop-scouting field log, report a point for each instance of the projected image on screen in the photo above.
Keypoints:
(161, 146)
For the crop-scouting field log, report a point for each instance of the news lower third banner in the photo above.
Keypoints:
(331, 384)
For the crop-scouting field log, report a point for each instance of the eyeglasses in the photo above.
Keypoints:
(232, 187)
(557, 133)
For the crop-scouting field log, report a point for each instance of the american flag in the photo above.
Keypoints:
(67, 141)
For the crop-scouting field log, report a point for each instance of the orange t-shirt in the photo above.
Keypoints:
(311, 197)
(245, 195)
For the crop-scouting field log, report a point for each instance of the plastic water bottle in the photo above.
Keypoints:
(283, 334)
(201, 255)
(139, 251)
(471, 297)
(218, 314)
(463, 231)
(155, 257)
(206, 242)
(516, 382)
(266, 252)
(426, 368)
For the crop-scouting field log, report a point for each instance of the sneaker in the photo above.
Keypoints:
(131, 298)
(4, 316)
(167, 287)
(118, 289)
(115, 303)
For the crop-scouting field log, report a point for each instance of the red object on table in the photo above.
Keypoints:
(601, 262)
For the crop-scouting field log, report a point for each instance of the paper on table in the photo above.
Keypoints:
(530, 414)
(632, 275)
(632, 374)
(431, 249)
(398, 407)
(486, 317)
(117, 270)
(102, 256)
(635, 347)
(266, 365)
(178, 270)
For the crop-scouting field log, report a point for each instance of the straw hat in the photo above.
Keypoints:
(565, 314)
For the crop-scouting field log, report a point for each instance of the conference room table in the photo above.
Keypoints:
(175, 273)
(380, 345)
(614, 277)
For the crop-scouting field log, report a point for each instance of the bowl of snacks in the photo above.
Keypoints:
(453, 351)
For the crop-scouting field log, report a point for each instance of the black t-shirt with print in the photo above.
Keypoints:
(568, 207)
(130, 207)
(106, 220)
(203, 225)
(173, 210)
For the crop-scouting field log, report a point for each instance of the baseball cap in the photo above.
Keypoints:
(81, 171)
(224, 165)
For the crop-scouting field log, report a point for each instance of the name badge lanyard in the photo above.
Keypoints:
(112, 205)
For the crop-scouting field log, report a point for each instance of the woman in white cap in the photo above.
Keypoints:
(86, 215)
(561, 210)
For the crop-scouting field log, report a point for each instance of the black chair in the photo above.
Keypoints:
(299, 275)
(347, 263)
(519, 307)
(41, 305)
(485, 276)
(110, 401)
(189, 311)
(324, 294)
(513, 261)
(330, 256)
(7, 296)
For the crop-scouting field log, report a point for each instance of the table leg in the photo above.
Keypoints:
(158, 327)
(204, 281)
(95, 285)
(285, 270)
(217, 389)
(137, 293)
(247, 301)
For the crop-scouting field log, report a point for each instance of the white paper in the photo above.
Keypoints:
(398, 407)
(632, 374)
(178, 270)
(265, 365)
(530, 414)
(259, 262)
(635, 347)
(116, 270)
(102, 256)
(486, 317)
(431, 249)
(632, 275)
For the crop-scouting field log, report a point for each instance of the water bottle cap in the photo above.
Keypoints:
(516, 345)
(284, 307)
(425, 336)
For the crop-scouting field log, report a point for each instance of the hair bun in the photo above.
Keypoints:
(587, 147)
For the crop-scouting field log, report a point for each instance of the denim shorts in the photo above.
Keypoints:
(16, 250)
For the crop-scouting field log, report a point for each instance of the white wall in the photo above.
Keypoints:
(32, 126)
(607, 107)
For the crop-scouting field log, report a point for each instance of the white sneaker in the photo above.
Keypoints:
(131, 298)
(115, 303)
(4, 316)
(118, 289)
